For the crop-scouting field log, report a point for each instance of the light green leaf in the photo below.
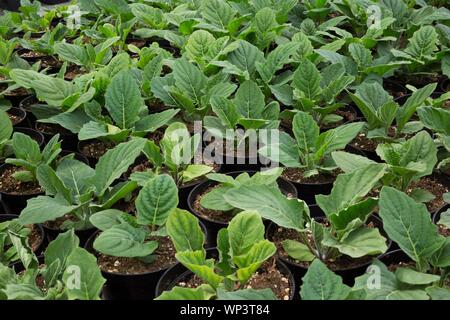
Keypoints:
(184, 230)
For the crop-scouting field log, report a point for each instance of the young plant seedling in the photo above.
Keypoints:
(215, 199)
(406, 161)
(408, 223)
(174, 156)
(346, 209)
(242, 250)
(65, 264)
(380, 111)
(29, 157)
(14, 244)
(77, 190)
(126, 235)
(311, 150)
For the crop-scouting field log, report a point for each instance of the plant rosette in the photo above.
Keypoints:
(345, 238)
(242, 266)
(207, 203)
(134, 250)
(16, 237)
(309, 164)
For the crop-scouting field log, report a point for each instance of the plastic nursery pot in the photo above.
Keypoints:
(16, 201)
(84, 235)
(3, 208)
(394, 257)
(41, 244)
(214, 226)
(69, 140)
(26, 105)
(10, 5)
(445, 85)
(17, 116)
(36, 136)
(77, 156)
(179, 273)
(437, 215)
(348, 274)
(122, 286)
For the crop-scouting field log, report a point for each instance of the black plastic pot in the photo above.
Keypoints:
(20, 113)
(348, 275)
(437, 215)
(69, 140)
(37, 136)
(214, 226)
(78, 156)
(179, 273)
(121, 286)
(26, 105)
(394, 257)
(445, 85)
(40, 248)
(3, 208)
(83, 235)
(15, 202)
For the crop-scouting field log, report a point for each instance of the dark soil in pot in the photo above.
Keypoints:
(348, 268)
(73, 72)
(69, 140)
(17, 116)
(47, 62)
(216, 220)
(445, 85)
(130, 278)
(394, 88)
(308, 188)
(53, 229)
(15, 193)
(443, 230)
(273, 274)
(36, 239)
(93, 150)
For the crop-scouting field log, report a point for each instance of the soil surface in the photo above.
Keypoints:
(443, 230)
(34, 238)
(12, 186)
(214, 215)
(15, 119)
(96, 149)
(165, 258)
(268, 276)
(51, 129)
(433, 185)
(296, 175)
(72, 72)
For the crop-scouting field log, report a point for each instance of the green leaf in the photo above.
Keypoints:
(154, 121)
(245, 57)
(422, 195)
(410, 276)
(437, 293)
(53, 185)
(298, 250)
(157, 199)
(423, 43)
(349, 188)
(189, 79)
(194, 171)
(124, 240)
(123, 100)
(61, 248)
(408, 223)
(270, 203)
(320, 283)
(202, 292)
(436, 119)
(6, 128)
(197, 263)
(106, 219)
(82, 276)
(413, 102)
(359, 243)
(42, 209)
(349, 162)
(275, 61)
(360, 54)
(26, 148)
(246, 294)
(114, 163)
(252, 260)
(249, 100)
(214, 199)
(184, 230)
(307, 79)
(336, 139)
(217, 13)
(306, 131)
(244, 231)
